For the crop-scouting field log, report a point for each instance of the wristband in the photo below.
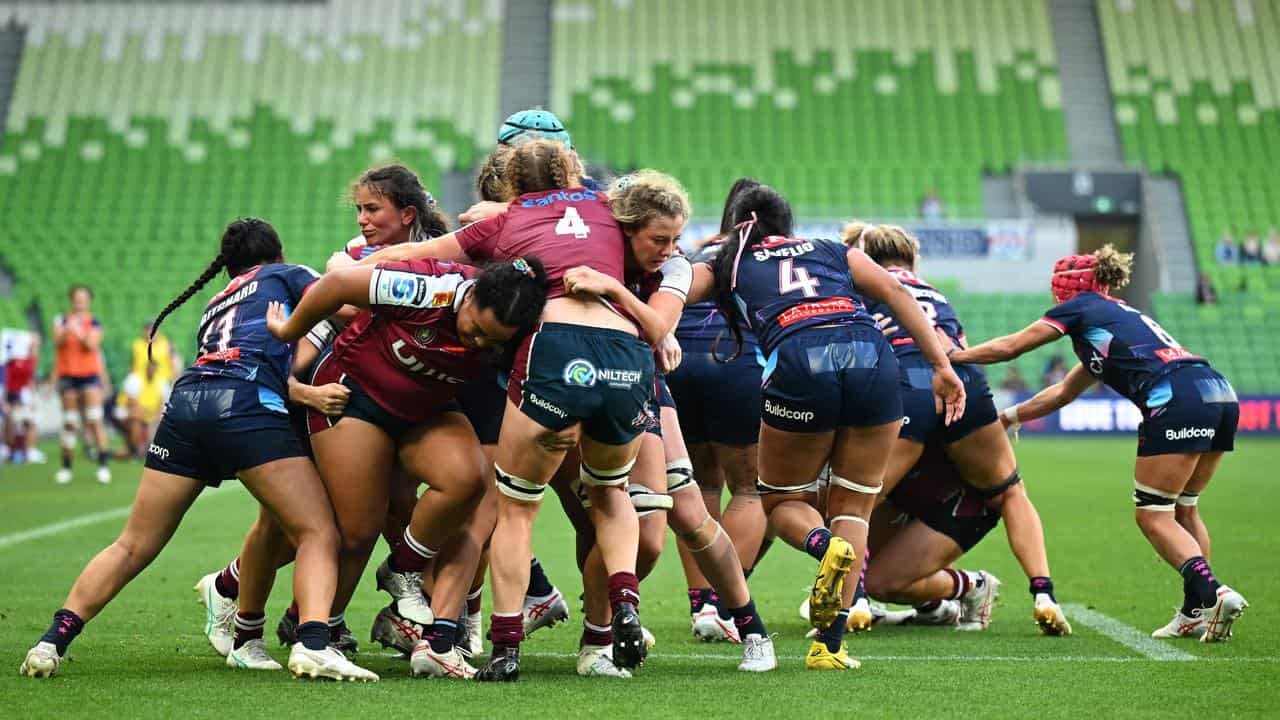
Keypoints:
(1011, 414)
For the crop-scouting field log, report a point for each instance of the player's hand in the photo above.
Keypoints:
(886, 324)
(948, 394)
(338, 260)
(669, 354)
(276, 320)
(482, 210)
(583, 279)
(330, 399)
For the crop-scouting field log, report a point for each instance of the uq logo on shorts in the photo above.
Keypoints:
(580, 372)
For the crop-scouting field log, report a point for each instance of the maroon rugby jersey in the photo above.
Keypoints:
(935, 481)
(562, 228)
(405, 353)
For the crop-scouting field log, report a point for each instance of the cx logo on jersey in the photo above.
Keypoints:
(580, 372)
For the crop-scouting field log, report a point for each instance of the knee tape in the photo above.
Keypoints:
(1149, 498)
(853, 486)
(679, 475)
(592, 477)
(989, 493)
(518, 488)
(850, 518)
(68, 438)
(646, 501)
(70, 420)
(766, 489)
(1188, 499)
(692, 537)
(93, 413)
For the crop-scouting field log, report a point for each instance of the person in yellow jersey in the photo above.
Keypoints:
(77, 340)
(161, 353)
(141, 398)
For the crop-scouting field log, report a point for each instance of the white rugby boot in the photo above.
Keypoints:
(1050, 618)
(426, 662)
(975, 605)
(597, 661)
(405, 589)
(545, 611)
(219, 614)
(42, 661)
(708, 626)
(1219, 618)
(252, 655)
(62, 476)
(327, 663)
(757, 654)
(1182, 626)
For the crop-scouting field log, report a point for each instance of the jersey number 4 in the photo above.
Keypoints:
(572, 224)
(792, 278)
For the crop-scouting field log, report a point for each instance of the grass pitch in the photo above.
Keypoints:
(145, 656)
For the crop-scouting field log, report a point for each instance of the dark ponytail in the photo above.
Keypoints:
(245, 243)
(516, 291)
(762, 212)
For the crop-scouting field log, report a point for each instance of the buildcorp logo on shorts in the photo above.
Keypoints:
(1189, 433)
(787, 413)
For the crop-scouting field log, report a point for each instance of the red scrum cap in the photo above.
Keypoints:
(1073, 275)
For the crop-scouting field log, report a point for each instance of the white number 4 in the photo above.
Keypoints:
(572, 224)
(791, 278)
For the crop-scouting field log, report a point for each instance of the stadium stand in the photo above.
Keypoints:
(1196, 89)
(923, 95)
(137, 131)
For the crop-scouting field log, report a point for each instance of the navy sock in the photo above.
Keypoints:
(66, 626)
(539, 585)
(103, 457)
(816, 542)
(748, 620)
(1198, 582)
(833, 635)
(1042, 585)
(697, 598)
(442, 635)
(314, 635)
(718, 603)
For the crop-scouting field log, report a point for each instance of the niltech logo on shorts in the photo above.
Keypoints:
(787, 413)
(1189, 433)
(580, 372)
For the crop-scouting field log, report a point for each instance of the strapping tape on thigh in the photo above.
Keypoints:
(679, 475)
(605, 478)
(1188, 499)
(853, 486)
(647, 501)
(518, 488)
(850, 518)
(1149, 498)
(765, 488)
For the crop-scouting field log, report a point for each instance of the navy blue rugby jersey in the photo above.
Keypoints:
(233, 338)
(788, 284)
(935, 306)
(1118, 344)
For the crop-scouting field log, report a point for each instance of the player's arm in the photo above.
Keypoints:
(92, 339)
(1050, 399)
(655, 323)
(879, 285)
(330, 398)
(445, 247)
(1010, 346)
(348, 286)
(703, 286)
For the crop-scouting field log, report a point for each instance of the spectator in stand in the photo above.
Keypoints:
(1205, 294)
(1054, 372)
(1271, 250)
(1225, 250)
(1251, 248)
(931, 206)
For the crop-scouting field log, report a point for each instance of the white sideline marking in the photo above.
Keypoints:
(700, 657)
(1126, 635)
(75, 522)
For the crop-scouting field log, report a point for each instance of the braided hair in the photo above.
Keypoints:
(758, 212)
(245, 243)
(540, 165)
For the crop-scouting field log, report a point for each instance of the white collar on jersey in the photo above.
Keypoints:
(460, 293)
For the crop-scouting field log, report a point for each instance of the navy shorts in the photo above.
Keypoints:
(483, 401)
(822, 378)
(921, 422)
(565, 374)
(717, 402)
(78, 383)
(661, 398)
(965, 526)
(203, 436)
(1192, 409)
